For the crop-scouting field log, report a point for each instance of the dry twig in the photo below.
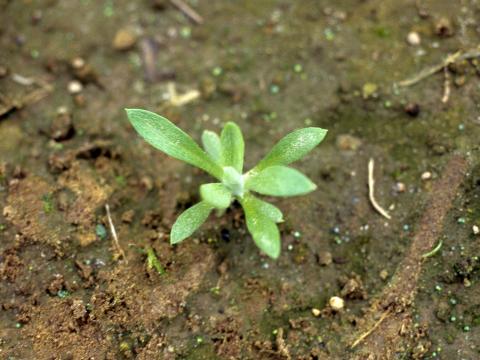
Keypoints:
(188, 11)
(446, 86)
(450, 59)
(114, 234)
(371, 190)
(369, 331)
(179, 100)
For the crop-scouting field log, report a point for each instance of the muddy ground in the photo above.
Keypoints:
(67, 70)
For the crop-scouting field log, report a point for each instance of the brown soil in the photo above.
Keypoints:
(69, 68)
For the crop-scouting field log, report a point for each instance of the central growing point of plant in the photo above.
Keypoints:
(222, 158)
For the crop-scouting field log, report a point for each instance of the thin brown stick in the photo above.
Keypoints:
(114, 234)
(188, 11)
(369, 331)
(446, 85)
(450, 59)
(371, 191)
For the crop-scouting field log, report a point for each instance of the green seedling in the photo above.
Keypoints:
(222, 158)
(153, 262)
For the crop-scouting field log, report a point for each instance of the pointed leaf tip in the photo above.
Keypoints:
(293, 147)
(162, 134)
(264, 231)
(233, 146)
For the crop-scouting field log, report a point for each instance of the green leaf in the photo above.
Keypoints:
(233, 146)
(264, 231)
(189, 221)
(267, 209)
(216, 194)
(292, 147)
(280, 181)
(211, 144)
(165, 136)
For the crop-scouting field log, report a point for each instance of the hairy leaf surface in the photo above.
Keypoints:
(167, 137)
(189, 221)
(280, 181)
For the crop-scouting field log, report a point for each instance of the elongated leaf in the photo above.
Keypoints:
(280, 181)
(292, 147)
(216, 194)
(213, 147)
(189, 221)
(264, 231)
(233, 146)
(165, 136)
(267, 209)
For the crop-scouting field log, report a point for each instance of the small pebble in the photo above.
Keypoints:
(413, 38)
(476, 230)
(348, 142)
(336, 303)
(78, 63)
(75, 87)
(124, 39)
(325, 258)
(384, 274)
(427, 175)
(400, 187)
(412, 109)
(3, 71)
(316, 312)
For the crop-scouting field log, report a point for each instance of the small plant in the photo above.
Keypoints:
(223, 159)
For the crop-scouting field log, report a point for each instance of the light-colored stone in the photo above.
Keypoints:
(413, 38)
(336, 303)
(124, 39)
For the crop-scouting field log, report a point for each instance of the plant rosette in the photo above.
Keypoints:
(222, 157)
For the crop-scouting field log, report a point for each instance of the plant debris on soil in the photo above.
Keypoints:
(86, 268)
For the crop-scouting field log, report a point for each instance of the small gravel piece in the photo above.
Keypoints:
(336, 303)
(476, 230)
(124, 39)
(400, 187)
(78, 63)
(325, 258)
(384, 274)
(413, 38)
(427, 175)
(75, 87)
